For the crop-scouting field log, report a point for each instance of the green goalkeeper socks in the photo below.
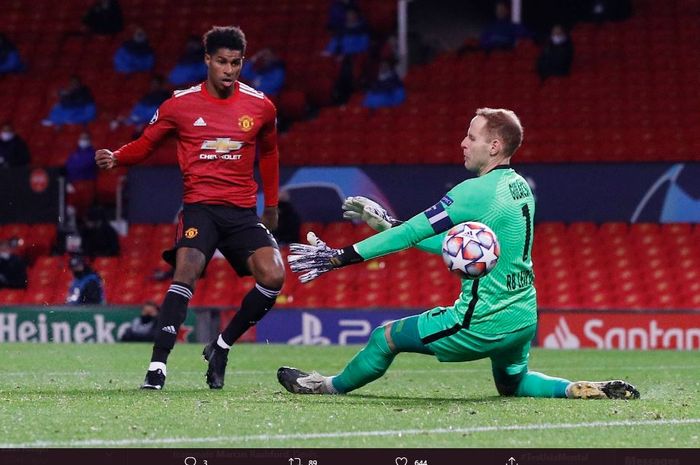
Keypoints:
(535, 384)
(367, 365)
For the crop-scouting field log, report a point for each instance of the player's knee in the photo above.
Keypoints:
(378, 339)
(267, 269)
(507, 383)
(506, 390)
(271, 277)
(270, 274)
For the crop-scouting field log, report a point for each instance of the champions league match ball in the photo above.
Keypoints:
(471, 250)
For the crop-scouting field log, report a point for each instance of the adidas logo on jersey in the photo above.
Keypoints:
(170, 329)
(200, 122)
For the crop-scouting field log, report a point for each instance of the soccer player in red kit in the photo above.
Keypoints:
(219, 124)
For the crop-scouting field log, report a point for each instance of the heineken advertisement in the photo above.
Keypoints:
(75, 324)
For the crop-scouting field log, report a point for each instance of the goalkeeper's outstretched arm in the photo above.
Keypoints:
(317, 258)
(432, 244)
(361, 208)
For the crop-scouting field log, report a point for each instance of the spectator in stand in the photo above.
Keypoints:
(145, 108)
(336, 14)
(13, 270)
(351, 39)
(387, 90)
(98, 237)
(265, 71)
(389, 50)
(348, 42)
(143, 328)
(75, 105)
(190, 68)
(86, 287)
(502, 33)
(557, 54)
(10, 61)
(135, 55)
(81, 176)
(13, 149)
(104, 17)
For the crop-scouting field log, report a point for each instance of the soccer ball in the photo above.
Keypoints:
(471, 250)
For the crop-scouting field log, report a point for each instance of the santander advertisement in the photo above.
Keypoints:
(617, 330)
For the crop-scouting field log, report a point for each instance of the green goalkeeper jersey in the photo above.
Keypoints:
(504, 300)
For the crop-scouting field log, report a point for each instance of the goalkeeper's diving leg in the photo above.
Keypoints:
(508, 354)
(367, 365)
(512, 378)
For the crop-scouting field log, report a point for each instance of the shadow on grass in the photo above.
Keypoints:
(446, 400)
(383, 399)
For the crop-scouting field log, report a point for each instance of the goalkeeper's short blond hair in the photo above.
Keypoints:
(504, 125)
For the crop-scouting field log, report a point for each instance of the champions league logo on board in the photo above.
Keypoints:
(672, 197)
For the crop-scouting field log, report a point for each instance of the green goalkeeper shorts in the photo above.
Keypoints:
(440, 330)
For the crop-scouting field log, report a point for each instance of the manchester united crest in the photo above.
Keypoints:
(191, 233)
(246, 123)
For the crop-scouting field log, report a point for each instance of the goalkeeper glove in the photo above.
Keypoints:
(369, 211)
(316, 258)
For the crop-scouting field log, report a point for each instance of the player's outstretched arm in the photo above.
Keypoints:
(360, 208)
(315, 258)
(105, 159)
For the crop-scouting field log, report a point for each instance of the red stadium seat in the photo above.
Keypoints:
(292, 104)
(12, 296)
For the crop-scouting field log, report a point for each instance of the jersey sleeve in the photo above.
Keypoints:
(465, 202)
(269, 156)
(432, 244)
(162, 123)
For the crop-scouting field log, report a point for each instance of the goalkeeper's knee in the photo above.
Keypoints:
(378, 339)
(377, 353)
(507, 384)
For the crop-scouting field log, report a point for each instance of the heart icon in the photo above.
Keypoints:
(401, 460)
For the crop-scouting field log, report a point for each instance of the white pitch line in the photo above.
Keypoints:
(345, 434)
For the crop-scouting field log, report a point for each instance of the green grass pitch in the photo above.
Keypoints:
(55, 395)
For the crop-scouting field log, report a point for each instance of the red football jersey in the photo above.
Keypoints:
(216, 146)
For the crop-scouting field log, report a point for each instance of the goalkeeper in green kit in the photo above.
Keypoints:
(494, 317)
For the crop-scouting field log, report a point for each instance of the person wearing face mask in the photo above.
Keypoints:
(75, 105)
(13, 149)
(13, 270)
(143, 328)
(87, 286)
(81, 176)
(135, 55)
(557, 54)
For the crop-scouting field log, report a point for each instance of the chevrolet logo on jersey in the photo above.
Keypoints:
(222, 145)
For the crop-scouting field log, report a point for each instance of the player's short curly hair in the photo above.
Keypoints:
(231, 37)
(505, 125)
